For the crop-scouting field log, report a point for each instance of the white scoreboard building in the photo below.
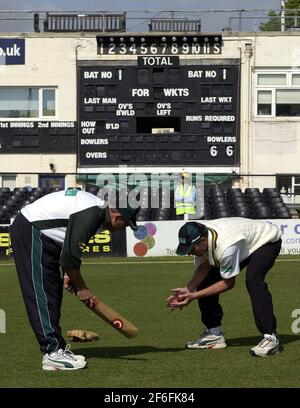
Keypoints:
(96, 102)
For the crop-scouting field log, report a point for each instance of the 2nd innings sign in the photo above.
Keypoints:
(159, 110)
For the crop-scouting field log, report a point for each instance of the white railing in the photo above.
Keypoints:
(139, 20)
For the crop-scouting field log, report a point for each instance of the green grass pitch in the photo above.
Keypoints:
(137, 288)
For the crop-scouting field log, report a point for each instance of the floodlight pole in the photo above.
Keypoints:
(282, 15)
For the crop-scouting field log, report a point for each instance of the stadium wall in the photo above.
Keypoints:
(160, 238)
(154, 238)
(269, 145)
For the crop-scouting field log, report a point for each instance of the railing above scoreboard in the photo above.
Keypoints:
(204, 20)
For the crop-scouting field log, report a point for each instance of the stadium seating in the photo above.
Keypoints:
(11, 202)
(238, 203)
(217, 201)
(275, 203)
(251, 204)
(144, 214)
(91, 188)
(157, 204)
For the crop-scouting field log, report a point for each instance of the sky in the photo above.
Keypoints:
(136, 4)
(209, 21)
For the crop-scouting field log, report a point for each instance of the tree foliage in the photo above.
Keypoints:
(292, 4)
(274, 22)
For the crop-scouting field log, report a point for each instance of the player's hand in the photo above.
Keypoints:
(181, 297)
(170, 301)
(86, 296)
(68, 285)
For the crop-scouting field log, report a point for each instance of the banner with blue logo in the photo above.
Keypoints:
(12, 51)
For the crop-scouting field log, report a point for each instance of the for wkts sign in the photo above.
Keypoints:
(12, 51)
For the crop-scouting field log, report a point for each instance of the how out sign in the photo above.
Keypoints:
(12, 51)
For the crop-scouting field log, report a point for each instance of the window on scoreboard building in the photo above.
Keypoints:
(8, 181)
(277, 94)
(48, 101)
(27, 102)
(289, 187)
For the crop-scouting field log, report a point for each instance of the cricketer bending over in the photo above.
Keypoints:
(52, 233)
(222, 248)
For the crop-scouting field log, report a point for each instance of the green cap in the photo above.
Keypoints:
(129, 214)
(188, 235)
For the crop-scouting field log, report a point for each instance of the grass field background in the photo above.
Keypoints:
(157, 357)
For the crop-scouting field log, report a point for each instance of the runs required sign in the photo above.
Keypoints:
(159, 110)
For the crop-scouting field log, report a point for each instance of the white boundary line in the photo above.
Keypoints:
(147, 262)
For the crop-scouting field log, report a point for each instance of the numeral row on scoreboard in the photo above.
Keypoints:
(214, 155)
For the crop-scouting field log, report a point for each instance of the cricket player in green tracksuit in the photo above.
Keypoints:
(48, 234)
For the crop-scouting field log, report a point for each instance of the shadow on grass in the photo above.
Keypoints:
(253, 340)
(132, 352)
(123, 352)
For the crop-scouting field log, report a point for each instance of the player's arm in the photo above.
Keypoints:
(73, 280)
(81, 227)
(229, 268)
(201, 271)
(182, 296)
(215, 289)
(74, 283)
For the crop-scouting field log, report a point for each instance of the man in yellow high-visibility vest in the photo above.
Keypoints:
(185, 197)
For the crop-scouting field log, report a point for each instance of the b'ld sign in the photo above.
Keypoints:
(12, 51)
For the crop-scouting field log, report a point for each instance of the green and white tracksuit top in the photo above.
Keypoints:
(70, 218)
(232, 240)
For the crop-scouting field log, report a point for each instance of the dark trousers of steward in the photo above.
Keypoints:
(258, 264)
(37, 262)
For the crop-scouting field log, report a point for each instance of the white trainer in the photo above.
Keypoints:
(62, 360)
(269, 345)
(207, 341)
(77, 356)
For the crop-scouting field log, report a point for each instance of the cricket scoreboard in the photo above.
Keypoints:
(149, 101)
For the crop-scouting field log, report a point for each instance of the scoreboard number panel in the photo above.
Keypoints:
(160, 45)
(159, 112)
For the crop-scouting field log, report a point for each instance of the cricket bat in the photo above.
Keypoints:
(113, 318)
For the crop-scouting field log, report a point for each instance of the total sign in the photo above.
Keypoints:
(12, 51)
